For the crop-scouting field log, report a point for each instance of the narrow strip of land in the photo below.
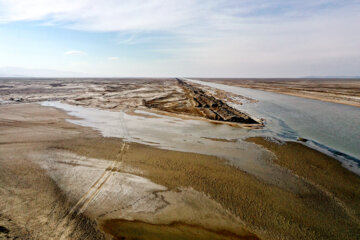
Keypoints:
(343, 91)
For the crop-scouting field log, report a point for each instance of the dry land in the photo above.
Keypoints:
(343, 91)
(59, 180)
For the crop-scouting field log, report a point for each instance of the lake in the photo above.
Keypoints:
(330, 127)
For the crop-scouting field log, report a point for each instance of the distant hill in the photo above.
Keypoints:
(41, 73)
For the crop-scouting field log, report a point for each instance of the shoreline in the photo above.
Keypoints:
(290, 118)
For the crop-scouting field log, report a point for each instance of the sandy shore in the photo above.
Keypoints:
(343, 91)
(60, 180)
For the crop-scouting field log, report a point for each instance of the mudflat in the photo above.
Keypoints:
(61, 180)
(85, 181)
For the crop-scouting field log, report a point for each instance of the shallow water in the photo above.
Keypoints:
(182, 135)
(331, 127)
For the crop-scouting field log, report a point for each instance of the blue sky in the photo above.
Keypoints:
(159, 38)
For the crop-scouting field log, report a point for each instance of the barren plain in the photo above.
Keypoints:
(142, 159)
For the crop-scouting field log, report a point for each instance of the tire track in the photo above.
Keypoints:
(86, 199)
(98, 184)
(110, 172)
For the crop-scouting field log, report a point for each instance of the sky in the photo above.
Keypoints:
(193, 38)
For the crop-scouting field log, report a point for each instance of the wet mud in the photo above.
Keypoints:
(122, 229)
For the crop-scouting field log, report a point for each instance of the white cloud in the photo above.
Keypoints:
(229, 37)
(159, 15)
(74, 52)
(113, 58)
(109, 15)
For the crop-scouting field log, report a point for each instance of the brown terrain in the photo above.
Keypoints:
(343, 91)
(213, 108)
(166, 95)
(59, 180)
